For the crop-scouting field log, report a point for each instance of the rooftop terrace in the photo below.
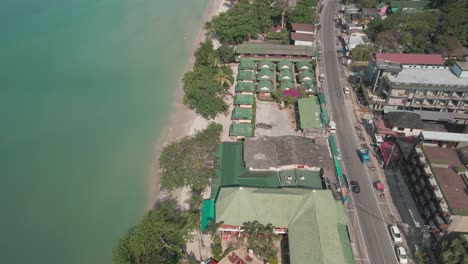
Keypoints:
(427, 76)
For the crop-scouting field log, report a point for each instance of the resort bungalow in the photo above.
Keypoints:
(265, 89)
(306, 76)
(286, 85)
(309, 86)
(246, 64)
(265, 64)
(304, 66)
(247, 76)
(244, 100)
(264, 74)
(284, 65)
(285, 75)
(240, 131)
(245, 88)
(243, 115)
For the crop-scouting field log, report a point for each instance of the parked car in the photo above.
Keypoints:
(321, 77)
(401, 255)
(346, 90)
(354, 186)
(396, 235)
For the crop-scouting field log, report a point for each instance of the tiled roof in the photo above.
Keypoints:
(414, 59)
(303, 27)
(302, 36)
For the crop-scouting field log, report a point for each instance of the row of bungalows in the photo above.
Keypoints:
(243, 114)
(289, 75)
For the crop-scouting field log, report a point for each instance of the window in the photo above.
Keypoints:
(401, 129)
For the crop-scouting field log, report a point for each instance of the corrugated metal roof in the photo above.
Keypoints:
(412, 59)
(309, 112)
(312, 219)
(272, 49)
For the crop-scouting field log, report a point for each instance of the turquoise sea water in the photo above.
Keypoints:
(85, 90)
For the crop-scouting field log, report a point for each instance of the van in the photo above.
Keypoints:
(332, 127)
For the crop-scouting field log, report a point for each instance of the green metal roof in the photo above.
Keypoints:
(275, 50)
(264, 74)
(246, 64)
(265, 86)
(207, 213)
(306, 75)
(245, 76)
(285, 74)
(231, 171)
(242, 113)
(304, 65)
(284, 64)
(309, 112)
(265, 64)
(410, 4)
(245, 87)
(240, 130)
(244, 99)
(311, 216)
(287, 85)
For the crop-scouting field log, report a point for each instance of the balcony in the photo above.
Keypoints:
(419, 95)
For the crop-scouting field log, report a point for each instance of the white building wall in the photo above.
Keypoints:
(302, 43)
(305, 32)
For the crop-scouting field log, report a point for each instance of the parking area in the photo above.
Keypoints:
(281, 122)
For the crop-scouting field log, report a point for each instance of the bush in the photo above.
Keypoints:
(216, 248)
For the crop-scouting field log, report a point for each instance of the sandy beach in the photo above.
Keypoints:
(183, 121)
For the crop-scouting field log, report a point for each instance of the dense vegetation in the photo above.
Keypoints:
(189, 161)
(244, 20)
(304, 12)
(249, 19)
(260, 239)
(159, 237)
(208, 83)
(444, 32)
(452, 251)
(361, 53)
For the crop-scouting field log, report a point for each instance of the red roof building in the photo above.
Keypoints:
(298, 27)
(302, 37)
(409, 59)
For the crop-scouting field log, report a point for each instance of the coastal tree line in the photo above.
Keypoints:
(162, 233)
(252, 19)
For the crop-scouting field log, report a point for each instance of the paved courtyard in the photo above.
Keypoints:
(283, 122)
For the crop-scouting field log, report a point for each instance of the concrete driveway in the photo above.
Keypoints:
(283, 122)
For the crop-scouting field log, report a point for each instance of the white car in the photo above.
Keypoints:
(401, 255)
(396, 235)
(346, 90)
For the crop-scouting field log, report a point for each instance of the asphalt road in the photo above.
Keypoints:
(375, 236)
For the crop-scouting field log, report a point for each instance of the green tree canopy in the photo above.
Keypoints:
(203, 91)
(244, 20)
(226, 53)
(361, 53)
(304, 12)
(159, 237)
(189, 161)
(454, 251)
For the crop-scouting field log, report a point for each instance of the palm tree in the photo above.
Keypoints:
(214, 60)
(224, 80)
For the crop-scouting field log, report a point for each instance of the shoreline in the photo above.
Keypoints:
(182, 121)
